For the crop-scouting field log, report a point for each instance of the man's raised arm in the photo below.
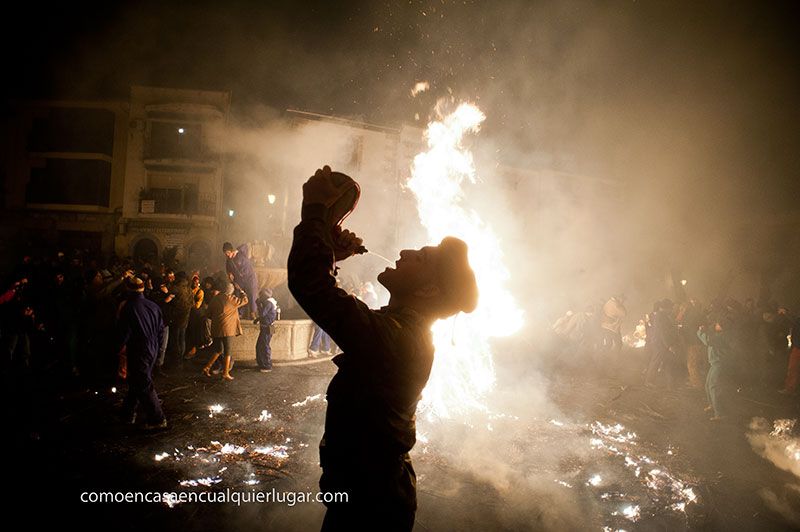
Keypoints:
(315, 248)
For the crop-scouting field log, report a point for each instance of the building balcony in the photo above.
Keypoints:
(176, 204)
(197, 165)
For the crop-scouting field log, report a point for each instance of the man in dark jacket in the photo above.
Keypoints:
(178, 315)
(161, 296)
(140, 328)
(666, 346)
(240, 271)
(388, 353)
(267, 314)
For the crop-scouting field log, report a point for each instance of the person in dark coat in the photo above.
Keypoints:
(386, 360)
(178, 315)
(140, 328)
(267, 314)
(194, 332)
(793, 368)
(103, 295)
(240, 271)
(666, 346)
(161, 296)
(64, 321)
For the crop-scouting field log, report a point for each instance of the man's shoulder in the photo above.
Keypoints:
(133, 304)
(404, 323)
(146, 303)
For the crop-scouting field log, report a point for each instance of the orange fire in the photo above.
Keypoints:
(462, 371)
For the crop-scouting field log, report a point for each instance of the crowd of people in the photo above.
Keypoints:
(68, 314)
(723, 346)
(99, 321)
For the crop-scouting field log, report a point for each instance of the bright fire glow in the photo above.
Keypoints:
(462, 369)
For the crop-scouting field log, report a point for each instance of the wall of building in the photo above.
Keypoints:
(63, 172)
(173, 184)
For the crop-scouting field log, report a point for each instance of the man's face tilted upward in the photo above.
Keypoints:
(436, 280)
(416, 270)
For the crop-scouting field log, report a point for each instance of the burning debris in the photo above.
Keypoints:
(308, 399)
(661, 485)
(229, 448)
(216, 450)
(207, 482)
(275, 451)
(242, 458)
(631, 512)
(595, 481)
(420, 87)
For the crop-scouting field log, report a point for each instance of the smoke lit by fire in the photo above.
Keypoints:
(462, 370)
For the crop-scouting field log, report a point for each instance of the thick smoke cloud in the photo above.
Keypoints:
(690, 109)
(778, 445)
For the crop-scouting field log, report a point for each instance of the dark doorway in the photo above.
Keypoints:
(146, 250)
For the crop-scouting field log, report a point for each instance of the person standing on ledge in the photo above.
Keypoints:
(386, 360)
(240, 272)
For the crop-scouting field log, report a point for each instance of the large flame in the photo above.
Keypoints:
(462, 370)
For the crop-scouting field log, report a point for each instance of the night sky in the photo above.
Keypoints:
(693, 103)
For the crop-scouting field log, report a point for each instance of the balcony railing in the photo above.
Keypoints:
(176, 201)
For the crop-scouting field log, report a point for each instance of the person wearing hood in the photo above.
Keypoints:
(267, 314)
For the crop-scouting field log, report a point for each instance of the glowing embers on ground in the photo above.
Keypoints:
(664, 489)
(583, 473)
(281, 452)
(211, 462)
(217, 452)
(462, 370)
(309, 399)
